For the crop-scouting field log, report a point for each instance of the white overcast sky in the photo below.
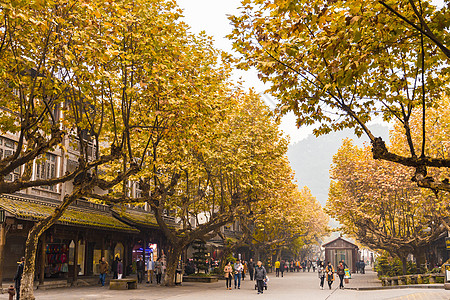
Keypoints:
(211, 16)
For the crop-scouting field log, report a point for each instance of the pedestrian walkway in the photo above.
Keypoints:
(441, 295)
(364, 281)
(291, 286)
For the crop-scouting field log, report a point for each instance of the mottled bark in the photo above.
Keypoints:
(2, 249)
(172, 263)
(404, 262)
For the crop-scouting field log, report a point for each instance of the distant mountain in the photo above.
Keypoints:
(311, 158)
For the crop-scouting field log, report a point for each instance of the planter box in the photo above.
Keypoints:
(205, 279)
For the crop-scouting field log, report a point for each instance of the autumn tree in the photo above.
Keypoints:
(283, 217)
(376, 202)
(74, 72)
(341, 64)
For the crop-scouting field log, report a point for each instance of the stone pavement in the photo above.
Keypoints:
(292, 286)
(364, 281)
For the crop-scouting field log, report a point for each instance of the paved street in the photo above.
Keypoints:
(292, 286)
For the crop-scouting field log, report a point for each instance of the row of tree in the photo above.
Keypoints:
(343, 64)
(376, 202)
(157, 105)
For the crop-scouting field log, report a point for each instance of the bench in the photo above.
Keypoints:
(123, 284)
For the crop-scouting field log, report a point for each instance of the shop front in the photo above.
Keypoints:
(72, 247)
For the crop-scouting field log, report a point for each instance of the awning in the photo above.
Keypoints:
(34, 210)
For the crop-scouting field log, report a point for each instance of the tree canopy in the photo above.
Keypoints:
(343, 64)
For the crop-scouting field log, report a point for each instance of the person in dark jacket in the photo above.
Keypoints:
(260, 276)
(340, 271)
(251, 268)
(114, 267)
(362, 266)
(140, 268)
(18, 277)
(282, 267)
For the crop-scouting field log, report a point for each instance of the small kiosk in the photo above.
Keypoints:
(340, 249)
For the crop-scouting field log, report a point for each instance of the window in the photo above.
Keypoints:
(46, 169)
(7, 148)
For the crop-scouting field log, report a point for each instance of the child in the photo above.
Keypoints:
(11, 292)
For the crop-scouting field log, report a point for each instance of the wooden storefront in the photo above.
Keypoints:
(340, 249)
(75, 244)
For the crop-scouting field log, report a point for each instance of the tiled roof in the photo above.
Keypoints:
(30, 209)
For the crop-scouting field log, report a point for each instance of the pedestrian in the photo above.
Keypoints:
(282, 267)
(362, 267)
(358, 266)
(244, 272)
(140, 269)
(11, 292)
(297, 264)
(238, 269)
(330, 274)
(18, 276)
(340, 271)
(228, 270)
(114, 266)
(321, 272)
(277, 268)
(119, 269)
(251, 268)
(158, 270)
(150, 269)
(260, 276)
(104, 269)
(313, 266)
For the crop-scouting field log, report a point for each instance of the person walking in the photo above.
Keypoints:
(330, 274)
(321, 272)
(277, 268)
(244, 272)
(119, 269)
(251, 268)
(362, 266)
(238, 269)
(104, 269)
(140, 269)
(18, 277)
(282, 267)
(150, 269)
(340, 271)
(158, 270)
(260, 276)
(228, 270)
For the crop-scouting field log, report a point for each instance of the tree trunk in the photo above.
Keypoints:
(279, 254)
(172, 263)
(27, 283)
(404, 265)
(2, 250)
(420, 260)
